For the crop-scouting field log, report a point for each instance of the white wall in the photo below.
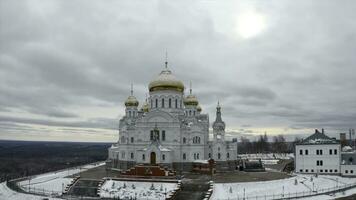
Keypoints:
(308, 163)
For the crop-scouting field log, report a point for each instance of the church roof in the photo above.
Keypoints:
(319, 138)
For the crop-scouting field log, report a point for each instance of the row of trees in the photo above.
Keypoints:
(278, 144)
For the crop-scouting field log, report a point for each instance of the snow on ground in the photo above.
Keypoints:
(54, 182)
(8, 194)
(267, 156)
(51, 181)
(143, 190)
(286, 186)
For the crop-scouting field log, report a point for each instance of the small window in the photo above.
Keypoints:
(184, 156)
(326, 170)
(162, 103)
(306, 152)
(300, 170)
(132, 140)
(335, 151)
(330, 151)
(209, 155)
(306, 170)
(301, 152)
(321, 152)
(317, 163)
(346, 171)
(219, 155)
(228, 155)
(184, 140)
(321, 170)
(132, 155)
(176, 103)
(151, 135)
(156, 103)
(312, 170)
(351, 171)
(335, 170)
(321, 163)
(197, 155)
(143, 157)
(317, 152)
(170, 103)
(163, 157)
(163, 135)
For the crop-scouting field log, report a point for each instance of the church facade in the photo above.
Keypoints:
(170, 129)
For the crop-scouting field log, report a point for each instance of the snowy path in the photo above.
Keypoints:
(306, 184)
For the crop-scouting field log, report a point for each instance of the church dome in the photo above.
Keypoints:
(131, 101)
(191, 100)
(145, 107)
(166, 81)
(199, 108)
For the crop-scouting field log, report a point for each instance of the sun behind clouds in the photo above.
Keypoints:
(250, 24)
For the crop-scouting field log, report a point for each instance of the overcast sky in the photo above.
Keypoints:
(284, 67)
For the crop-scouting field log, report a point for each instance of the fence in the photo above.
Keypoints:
(291, 195)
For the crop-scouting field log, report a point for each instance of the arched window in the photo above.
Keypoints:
(156, 103)
(190, 112)
(199, 140)
(143, 157)
(197, 155)
(170, 103)
(176, 103)
(132, 140)
(184, 156)
(163, 157)
(184, 140)
(132, 155)
(162, 103)
(151, 135)
(219, 155)
(209, 155)
(227, 155)
(163, 135)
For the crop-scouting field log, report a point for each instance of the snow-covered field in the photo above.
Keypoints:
(140, 190)
(305, 183)
(50, 182)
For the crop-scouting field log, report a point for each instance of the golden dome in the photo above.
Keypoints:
(131, 101)
(199, 108)
(145, 107)
(191, 100)
(166, 81)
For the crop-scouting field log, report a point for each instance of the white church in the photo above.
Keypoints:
(170, 129)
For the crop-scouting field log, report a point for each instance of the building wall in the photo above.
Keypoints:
(309, 163)
(348, 170)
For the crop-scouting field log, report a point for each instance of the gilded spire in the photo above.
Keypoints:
(190, 90)
(131, 91)
(166, 63)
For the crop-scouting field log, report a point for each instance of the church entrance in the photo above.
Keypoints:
(153, 158)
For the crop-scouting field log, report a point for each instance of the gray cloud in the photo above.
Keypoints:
(70, 64)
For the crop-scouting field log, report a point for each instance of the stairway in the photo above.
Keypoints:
(193, 190)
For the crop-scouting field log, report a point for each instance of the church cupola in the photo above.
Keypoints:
(145, 107)
(131, 104)
(191, 103)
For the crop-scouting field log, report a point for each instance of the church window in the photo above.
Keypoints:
(330, 151)
(184, 140)
(163, 135)
(176, 103)
(194, 113)
(209, 155)
(228, 155)
(199, 140)
(190, 112)
(306, 152)
(301, 152)
(170, 103)
(151, 135)
(132, 140)
(162, 103)
(143, 157)
(184, 156)
(219, 155)
(197, 155)
(132, 155)
(163, 157)
(335, 151)
(156, 103)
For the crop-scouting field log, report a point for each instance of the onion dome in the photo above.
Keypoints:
(191, 100)
(131, 100)
(145, 107)
(166, 81)
(199, 108)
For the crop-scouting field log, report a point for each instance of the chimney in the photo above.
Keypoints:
(322, 131)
